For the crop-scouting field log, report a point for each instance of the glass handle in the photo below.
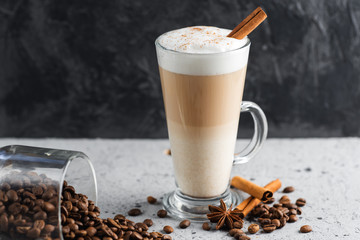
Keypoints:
(260, 133)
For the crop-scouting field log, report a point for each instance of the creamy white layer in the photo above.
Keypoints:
(201, 50)
(203, 157)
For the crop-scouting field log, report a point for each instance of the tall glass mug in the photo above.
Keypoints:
(203, 100)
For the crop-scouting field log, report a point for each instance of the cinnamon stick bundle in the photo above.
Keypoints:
(251, 188)
(248, 204)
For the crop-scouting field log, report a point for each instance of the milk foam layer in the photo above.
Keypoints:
(200, 39)
(201, 50)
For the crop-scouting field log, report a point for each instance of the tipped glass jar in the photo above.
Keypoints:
(33, 183)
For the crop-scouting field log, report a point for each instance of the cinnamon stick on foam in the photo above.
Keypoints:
(248, 24)
(248, 204)
(251, 188)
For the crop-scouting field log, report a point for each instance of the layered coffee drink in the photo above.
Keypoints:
(202, 76)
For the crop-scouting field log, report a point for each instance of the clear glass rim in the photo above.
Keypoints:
(157, 44)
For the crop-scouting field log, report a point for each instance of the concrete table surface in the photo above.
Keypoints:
(326, 172)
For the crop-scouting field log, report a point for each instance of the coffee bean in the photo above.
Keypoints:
(305, 229)
(276, 205)
(33, 233)
(73, 227)
(37, 191)
(80, 233)
(41, 215)
(276, 222)
(40, 224)
(162, 213)
(264, 221)
(284, 199)
(184, 224)
(290, 206)
(48, 228)
(270, 200)
(206, 226)
(148, 222)
(234, 231)
(243, 237)
(136, 236)
(151, 200)
(253, 228)
(292, 218)
(298, 211)
(288, 189)
(277, 214)
(65, 229)
(292, 212)
(134, 212)
(238, 224)
(269, 228)
(4, 223)
(168, 229)
(301, 202)
(282, 222)
(23, 229)
(48, 207)
(166, 237)
(12, 196)
(112, 222)
(15, 208)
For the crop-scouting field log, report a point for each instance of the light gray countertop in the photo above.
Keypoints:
(326, 172)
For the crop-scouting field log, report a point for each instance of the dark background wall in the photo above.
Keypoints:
(88, 68)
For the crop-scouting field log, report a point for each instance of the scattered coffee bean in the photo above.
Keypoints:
(298, 211)
(134, 212)
(284, 200)
(269, 228)
(270, 201)
(206, 226)
(234, 231)
(151, 200)
(166, 237)
(292, 218)
(148, 222)
(253, 228)
(162, 213)
(167, 152)
(168, 229)
(184, 224)
(305, 229)
(238, 224)
(243, 237)
(301, 202)
(288, 189)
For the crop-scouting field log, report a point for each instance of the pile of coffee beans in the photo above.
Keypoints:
(270, 218)
(29, 206)
(80, 220)
(274, 217)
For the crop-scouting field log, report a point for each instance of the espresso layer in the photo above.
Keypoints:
(204, 101)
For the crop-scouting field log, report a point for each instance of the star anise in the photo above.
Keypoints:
(223, 216)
